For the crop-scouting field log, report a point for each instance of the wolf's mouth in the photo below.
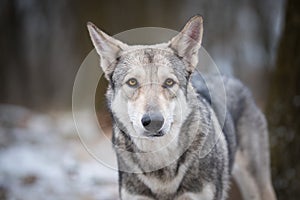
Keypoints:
(155, 134)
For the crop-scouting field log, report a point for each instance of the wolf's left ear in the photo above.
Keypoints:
(107, 47)
(188, 42)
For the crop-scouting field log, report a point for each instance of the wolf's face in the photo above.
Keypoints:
(149, 84)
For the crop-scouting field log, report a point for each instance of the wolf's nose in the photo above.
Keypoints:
(153, 121)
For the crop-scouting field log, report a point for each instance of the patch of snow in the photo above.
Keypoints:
(39, 162)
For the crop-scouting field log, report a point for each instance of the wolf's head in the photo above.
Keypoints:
(149, 85)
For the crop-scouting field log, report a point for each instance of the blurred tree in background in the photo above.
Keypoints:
(43, 42)
(37, 52)
(283, 108)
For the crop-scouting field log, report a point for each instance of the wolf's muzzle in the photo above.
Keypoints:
(153, 122)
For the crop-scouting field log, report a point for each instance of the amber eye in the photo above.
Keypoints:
(132, 82)
(169, 82)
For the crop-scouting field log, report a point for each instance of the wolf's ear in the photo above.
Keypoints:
(188, 42)
(107, 47)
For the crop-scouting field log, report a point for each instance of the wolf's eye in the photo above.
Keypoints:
(132, 82)
(168, 82)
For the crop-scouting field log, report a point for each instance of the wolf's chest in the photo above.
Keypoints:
(166, 181)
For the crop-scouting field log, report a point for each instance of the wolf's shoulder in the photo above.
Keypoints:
(236, 93)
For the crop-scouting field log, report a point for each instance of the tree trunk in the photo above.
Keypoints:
(284, 106)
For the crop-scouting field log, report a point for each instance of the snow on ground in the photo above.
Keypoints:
(41, 157)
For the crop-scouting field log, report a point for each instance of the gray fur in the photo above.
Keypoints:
(205, 148)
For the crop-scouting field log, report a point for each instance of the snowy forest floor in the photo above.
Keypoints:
(41, 157)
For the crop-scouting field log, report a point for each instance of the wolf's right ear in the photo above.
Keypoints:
(107, 47)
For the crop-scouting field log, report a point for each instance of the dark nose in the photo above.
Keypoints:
(153, 121)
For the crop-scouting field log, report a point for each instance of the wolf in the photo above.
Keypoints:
(170, 141)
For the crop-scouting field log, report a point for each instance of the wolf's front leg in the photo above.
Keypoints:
(137, 198)
(194, 196)
(207, 193)
(125, 195)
